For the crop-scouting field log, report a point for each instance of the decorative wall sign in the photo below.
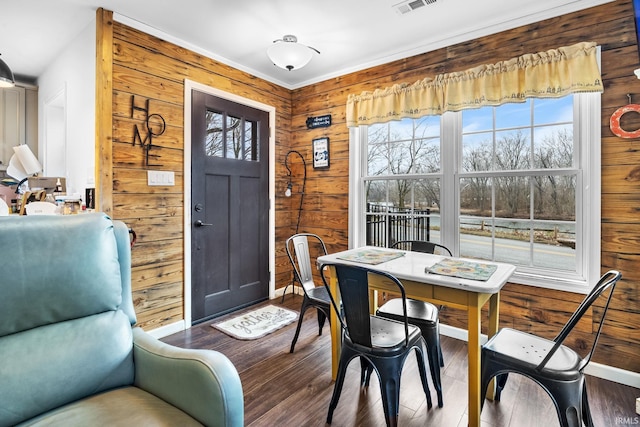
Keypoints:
(155, 127)
(319, 122)
(321, 153)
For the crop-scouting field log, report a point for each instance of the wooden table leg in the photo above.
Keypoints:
(476, 301)
(494, 321)
(473, 311)
(336, 330)
(373, 301)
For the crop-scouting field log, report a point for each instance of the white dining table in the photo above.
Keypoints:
(463, 293)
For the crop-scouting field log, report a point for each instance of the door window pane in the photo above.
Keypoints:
(250, 146)
(231, 137)
(214, 145)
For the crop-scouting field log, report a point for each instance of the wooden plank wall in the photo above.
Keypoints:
(147, 69)
(532, 309)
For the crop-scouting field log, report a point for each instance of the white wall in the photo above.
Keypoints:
(72, 74)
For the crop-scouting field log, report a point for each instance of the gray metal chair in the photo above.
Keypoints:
(380, 343)
(554, 366)
(297, 247)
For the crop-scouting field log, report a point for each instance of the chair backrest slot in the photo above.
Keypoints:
(353, 284)
(297, 247)
(607, 281)
(354, 291)
(304, 260)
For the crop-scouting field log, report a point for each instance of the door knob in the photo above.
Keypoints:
(199, 223)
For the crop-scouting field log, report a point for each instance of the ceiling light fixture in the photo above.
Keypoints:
(6, 75)
(287, 53)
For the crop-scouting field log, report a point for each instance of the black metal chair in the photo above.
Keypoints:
(422, 314)
(421, 246)
(297, 247)
(380, 343)
(554, 366)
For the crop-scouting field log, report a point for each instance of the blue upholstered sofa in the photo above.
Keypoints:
(70, 354)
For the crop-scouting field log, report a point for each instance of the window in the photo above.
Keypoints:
(403, 180)
(516, 183)
(231, 137)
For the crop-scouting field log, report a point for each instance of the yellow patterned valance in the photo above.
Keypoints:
(549, 74)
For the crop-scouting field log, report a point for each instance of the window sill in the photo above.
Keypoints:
(558, 284)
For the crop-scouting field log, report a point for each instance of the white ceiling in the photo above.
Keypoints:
(350, 34)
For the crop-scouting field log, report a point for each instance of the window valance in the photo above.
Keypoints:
(550, 74)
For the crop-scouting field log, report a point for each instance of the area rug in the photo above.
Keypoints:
(257, 323)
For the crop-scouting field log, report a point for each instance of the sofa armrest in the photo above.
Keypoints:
(202, 383)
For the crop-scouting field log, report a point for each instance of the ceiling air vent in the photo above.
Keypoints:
(411, 5)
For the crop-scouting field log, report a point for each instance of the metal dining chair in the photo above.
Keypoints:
(422, 314)
(380, 343)
(424, 246)
(552, 365)
(297, 247)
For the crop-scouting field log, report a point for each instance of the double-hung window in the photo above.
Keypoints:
(516, 183)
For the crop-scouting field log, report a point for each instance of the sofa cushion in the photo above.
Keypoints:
(77, 275)
(129, 406)
(50, 366)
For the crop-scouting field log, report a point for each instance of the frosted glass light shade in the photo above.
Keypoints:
(289, 54)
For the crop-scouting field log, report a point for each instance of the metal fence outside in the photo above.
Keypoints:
(388, 224)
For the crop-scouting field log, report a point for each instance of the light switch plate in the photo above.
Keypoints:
(161, 178)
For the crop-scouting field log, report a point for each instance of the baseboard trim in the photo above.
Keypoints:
(599, 370)
(614, 374)
(167, 330)
(291, 289)
(458, 333)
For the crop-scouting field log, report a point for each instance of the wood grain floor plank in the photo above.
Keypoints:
(284, 389)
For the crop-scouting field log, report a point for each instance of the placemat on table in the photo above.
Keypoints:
(462, 269)
(371, 256)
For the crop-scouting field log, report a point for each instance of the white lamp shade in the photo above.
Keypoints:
(23, 163)
(289, 55)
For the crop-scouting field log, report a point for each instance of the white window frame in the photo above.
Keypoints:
(587, 114)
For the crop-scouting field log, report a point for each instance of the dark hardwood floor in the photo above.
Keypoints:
(284, 389)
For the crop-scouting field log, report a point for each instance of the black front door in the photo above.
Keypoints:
(230, 206)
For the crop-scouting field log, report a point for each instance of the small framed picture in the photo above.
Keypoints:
(321, 153)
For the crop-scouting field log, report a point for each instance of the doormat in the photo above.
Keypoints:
(257, 323)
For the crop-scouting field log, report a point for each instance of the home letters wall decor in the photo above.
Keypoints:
(155, 125)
